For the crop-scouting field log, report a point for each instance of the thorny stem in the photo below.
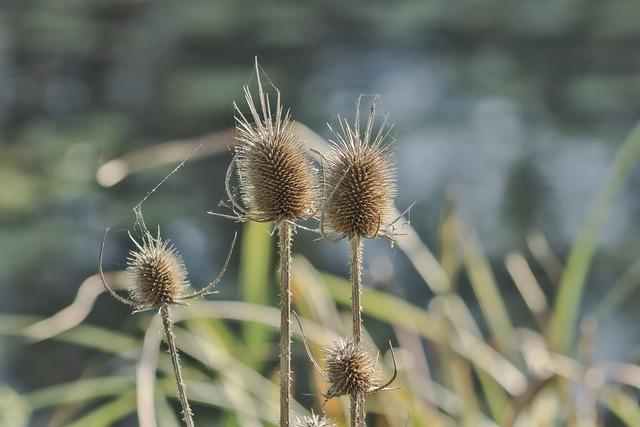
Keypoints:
(284, 231)
(357, 399)
(187, 415)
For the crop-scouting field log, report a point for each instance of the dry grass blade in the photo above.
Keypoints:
(424, 261)
(487, 291)
(77, 312)
(115, 170)
(623, 373)
(527, 284)
(492, 362)
(542, 252)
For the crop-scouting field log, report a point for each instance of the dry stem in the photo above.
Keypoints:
(165, 314)
(357, 399)
(284, 231)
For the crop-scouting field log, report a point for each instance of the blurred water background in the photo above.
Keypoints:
(510, 110)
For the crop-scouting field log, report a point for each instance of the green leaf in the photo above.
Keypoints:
(619, 292)
(14, 409)
(562, 327)
(487, 291)
(623, 405)
(255, 280)
(106, 415)
(79, 390)
(84, 335)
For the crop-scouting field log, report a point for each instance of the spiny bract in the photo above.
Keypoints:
(314, 421)
(277, 176)
(359, 185)
(349, 369)
(156, 272)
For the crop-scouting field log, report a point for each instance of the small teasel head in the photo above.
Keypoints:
(349, 369)
(156, 272)
(314, 420)
(277, 176)
(359, 179)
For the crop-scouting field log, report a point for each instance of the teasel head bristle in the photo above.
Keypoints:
(349, 369)
(277, 176)
(314, 420)
(156, 272)
(359, 179)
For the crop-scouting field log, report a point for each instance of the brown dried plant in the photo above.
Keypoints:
(359, 180)
(314, 420)
(157, 279)
(349, 368)
(277, 184)
(276, 174)
(359, 189)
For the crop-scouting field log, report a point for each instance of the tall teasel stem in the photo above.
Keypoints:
(158, 278)
(165, 314)
(356, 249)
(284, 231)
(359, 187)
(277, 184)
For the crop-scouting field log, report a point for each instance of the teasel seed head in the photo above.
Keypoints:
(156, 272)
(314, 421)
(359, 179)
(277, 176)
(349, 369)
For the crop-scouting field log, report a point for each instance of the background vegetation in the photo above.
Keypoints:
(513, 293)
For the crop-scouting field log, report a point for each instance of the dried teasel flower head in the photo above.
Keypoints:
(156, 272)
(349, 369)
(359, 179)
(277, 176)
(315, 421)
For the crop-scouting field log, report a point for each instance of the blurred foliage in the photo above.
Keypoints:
(452, 372)
(507, 115)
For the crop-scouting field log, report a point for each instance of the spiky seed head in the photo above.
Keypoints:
(156, 272)
(349, 369)
(314, 421)
(277, 176)
(359, 185)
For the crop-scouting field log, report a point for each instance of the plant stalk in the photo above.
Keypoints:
(285, 234)
(356, 250)
(165, 314)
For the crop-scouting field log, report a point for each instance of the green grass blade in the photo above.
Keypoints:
(562, 328)
(256, 259)
(487, 291)
(423, 260)
(106, 415)
(619, 292)
(15, 410)
(494, 395)
(79, 390)
(167, 416)
(84, 335)
(623, 405)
